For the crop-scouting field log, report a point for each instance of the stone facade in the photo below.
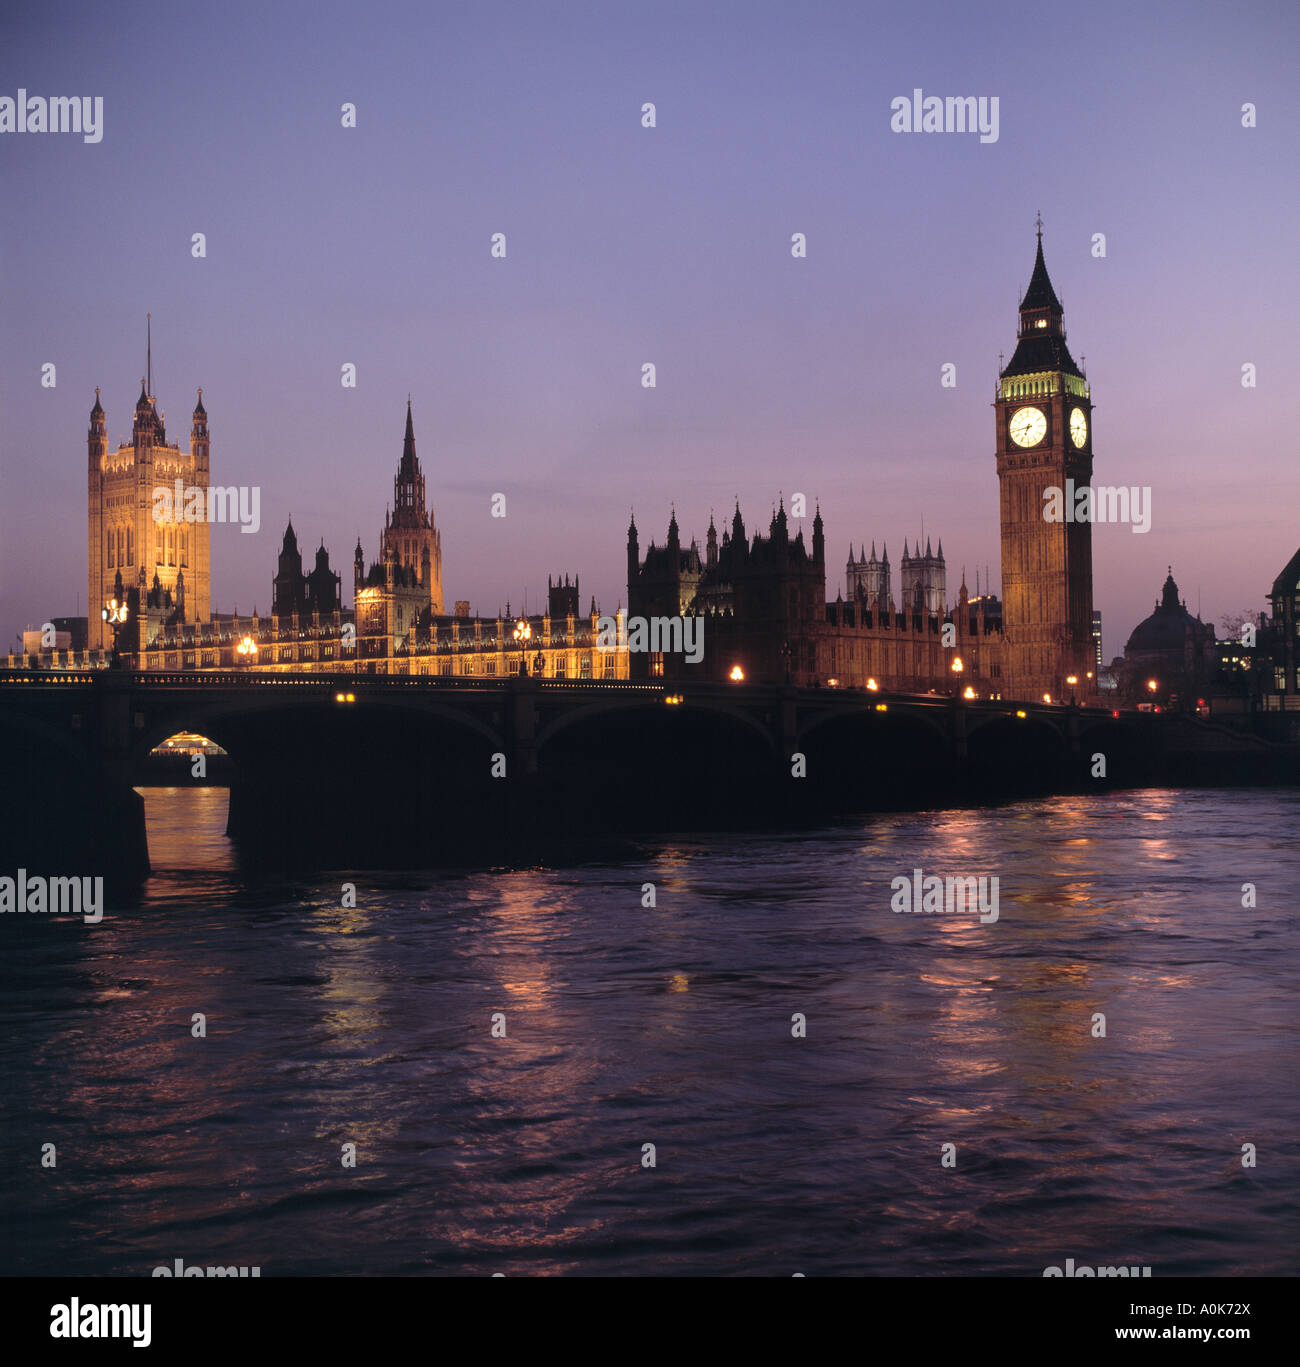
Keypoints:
(170, 555)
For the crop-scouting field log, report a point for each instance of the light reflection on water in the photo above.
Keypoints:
(671, 1025)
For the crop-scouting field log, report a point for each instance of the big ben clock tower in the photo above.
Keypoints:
(1044, 438)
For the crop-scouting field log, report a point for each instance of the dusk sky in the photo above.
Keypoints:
(625, 245)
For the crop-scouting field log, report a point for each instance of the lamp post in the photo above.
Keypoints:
(957, 667)
(522, 634)
(247, 651)
(1072, 680)
(115, 614)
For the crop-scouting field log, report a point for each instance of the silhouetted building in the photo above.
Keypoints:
(292, 591)
(762, 599)
(1174, 650)
(562, 598)
(1284, 598)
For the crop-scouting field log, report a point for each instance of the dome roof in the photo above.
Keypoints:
(1168, 627)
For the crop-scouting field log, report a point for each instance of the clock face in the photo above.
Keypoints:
(1028, 426)
(1078, 428)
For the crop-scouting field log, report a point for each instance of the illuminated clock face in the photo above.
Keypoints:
(1028, 426)
(1078, 428)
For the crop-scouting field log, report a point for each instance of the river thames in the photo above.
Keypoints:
(501, 1047)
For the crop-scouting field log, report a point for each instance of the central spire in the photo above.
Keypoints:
(1040, 343)
(410, 508)
(1040, 294)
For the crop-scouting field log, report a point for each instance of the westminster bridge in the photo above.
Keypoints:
(365, 770)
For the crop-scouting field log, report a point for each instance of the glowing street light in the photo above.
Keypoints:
(522, 634)
(1152, 685)
(872, 686)
(115, 614)
(957, 666)
(737, 674)
(247, 651)
(969, 694)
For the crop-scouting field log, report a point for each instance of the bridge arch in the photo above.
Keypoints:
(929, 718)
(866, 759)
(653, 704)
(213, 717)
(628, 765)
(1009, 754)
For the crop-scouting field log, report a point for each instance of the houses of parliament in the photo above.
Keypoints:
(767, 615)
(764, 595)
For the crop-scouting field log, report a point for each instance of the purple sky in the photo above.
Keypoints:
(670, 245)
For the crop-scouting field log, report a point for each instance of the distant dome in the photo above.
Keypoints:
(1169, 628)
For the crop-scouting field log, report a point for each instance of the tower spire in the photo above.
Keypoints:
(148, 350)
(1040, 294)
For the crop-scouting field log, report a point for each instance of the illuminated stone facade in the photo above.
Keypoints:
(169, 557)
(1043, 408)
(763, 598)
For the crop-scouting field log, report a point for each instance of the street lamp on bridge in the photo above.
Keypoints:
(522, 634)
(116, 614)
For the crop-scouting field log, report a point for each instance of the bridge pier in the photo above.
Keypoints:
(523, 725)
(116, 836)
(959, 732)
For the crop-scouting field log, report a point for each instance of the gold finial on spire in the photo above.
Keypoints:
(1039, 222)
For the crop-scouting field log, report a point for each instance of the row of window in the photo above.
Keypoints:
(121, 546)
(168, 545)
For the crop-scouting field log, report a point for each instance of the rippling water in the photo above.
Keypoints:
(628, 1025)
